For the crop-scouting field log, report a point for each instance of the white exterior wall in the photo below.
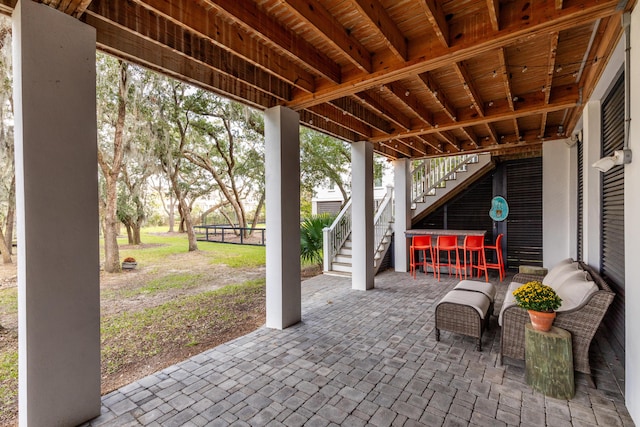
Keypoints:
(556, 192)
(632, 234)
(555, 177)
(57, 205)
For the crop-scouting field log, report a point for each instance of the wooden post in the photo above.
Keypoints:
(549, 362)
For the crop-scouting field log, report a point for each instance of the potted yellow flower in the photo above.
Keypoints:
(540, 301)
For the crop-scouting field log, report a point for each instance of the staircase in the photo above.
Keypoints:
(337, 238)
(435, 181)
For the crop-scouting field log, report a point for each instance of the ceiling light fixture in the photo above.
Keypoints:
(558, 68)
(524, 69)
(619, 157)
(494, 74)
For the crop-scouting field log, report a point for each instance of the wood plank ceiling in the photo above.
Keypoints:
(416, 78)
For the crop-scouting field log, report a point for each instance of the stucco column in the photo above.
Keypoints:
(282, 176)
(57, 205)
(592, 137)
(362, 232)
(402, 217)
(632, 229)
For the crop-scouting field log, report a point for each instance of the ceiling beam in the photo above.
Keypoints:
(462, 71)
(314, 121)
(190, 45)
(253, 19)
(432, 142)
(398, 147)
(450, 139)
(360, 112)
(419, 149)
(405, 96)
(541, 20)
(534, 104)
(316, 15)
(437, 94)
(506, 78)
(551, 66)
(493, 135)
(436, 18)
(393, 37)
(138, 50)
(332, 113)
(470, 134)
(494, 13)
(373, 99)
(208, 24)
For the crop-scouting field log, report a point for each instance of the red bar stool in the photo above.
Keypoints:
(449, 244)
(421, 243)
(500, 264)
(474, 245)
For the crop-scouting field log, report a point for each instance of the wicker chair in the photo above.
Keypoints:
(582, 322)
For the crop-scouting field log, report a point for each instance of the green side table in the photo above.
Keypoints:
(549, 362)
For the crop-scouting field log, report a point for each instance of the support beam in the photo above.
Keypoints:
(402, 217)
(56, 183)
(362, 212)
(377, 14)
(282, 165)
(436, 18)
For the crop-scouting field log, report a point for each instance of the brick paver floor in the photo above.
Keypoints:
(363, 359)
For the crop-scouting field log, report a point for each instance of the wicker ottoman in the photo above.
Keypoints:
(483, 287)
(464, 312)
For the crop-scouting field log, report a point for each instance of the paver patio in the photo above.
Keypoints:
(363, 358)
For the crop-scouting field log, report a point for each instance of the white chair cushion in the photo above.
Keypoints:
(575, 290)
(509, 299)
(477, 300)
(485, 288)
(558, 275)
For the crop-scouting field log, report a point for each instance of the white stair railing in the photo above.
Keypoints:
(383, 218)
(433, 173)
(335, 235)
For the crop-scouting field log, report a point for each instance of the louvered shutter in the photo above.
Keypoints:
(612, 208)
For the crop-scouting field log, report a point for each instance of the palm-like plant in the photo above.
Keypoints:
(311, 237)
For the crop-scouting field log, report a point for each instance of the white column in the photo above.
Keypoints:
(57, 204)
(402, 217)
(555, 201)
(592, 134)
(282, 176)
(362, 233)
(632, 234)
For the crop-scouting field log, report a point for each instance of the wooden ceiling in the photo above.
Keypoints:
(416, 78)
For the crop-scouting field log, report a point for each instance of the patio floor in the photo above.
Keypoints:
(363, 358)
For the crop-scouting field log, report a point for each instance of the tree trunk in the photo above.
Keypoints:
(185, 214)
(11, 213)
(136, 234)
(257, 214)
(129, 232)
(4, 248)
(172, 217)
(111, 173)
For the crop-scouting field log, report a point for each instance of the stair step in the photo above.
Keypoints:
(345, 259)
(345, 251)
(338, 266)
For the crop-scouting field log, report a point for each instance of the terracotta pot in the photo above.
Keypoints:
(542, 321)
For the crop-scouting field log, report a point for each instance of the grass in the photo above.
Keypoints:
(172, 281)
(160, 245)
(9, 301)
(184, 322)
(8, 378)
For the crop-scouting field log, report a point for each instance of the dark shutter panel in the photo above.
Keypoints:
(524, 223)
(612, 208)
(580, 199)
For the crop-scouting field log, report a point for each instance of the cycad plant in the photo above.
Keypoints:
(311, 237)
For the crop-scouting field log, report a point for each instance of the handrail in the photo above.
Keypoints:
(335, 235)
(433, 173)
(382, 218)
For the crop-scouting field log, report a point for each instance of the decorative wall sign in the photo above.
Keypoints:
(499, 209)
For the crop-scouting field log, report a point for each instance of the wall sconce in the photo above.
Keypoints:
(619, 157)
